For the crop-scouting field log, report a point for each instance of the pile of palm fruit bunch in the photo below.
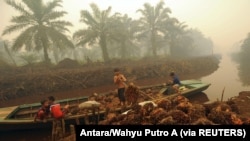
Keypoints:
(132, 94)
(110, 102)
(174, 110)
(177, 110)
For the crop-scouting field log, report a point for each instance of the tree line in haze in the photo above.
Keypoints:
(44, 36)
(243, 60)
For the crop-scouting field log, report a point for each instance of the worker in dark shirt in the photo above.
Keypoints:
(174, 82)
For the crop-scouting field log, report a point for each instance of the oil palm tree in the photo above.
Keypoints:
(125, 34)
(152, 22)
(98, 29)
(177, 36)
(40, 25)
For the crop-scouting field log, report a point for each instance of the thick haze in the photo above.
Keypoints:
(226, 22)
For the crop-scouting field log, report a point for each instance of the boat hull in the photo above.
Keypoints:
(8, 120)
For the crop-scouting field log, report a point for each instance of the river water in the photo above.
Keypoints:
(226, 79)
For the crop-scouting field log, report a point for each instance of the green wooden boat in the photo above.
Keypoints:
(21, 117)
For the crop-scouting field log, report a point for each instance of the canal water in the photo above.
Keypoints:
(224, 81)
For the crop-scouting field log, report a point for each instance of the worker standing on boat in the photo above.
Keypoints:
(174, 82)
(119, 80)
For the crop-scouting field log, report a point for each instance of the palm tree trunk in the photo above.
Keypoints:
(46, 55)
(103, 45)
(45, 45)
(45, 51)
(153, 44)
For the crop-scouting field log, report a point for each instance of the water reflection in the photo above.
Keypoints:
(225, 77)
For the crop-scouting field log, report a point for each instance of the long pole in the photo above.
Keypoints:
(222, 94)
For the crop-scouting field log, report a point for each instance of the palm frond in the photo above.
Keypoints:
(29, 42)
(35, 6)
(21, 19)
(32, 5)
(23, 38)
(19, 7)
(148, 15)
(60, 25)
(79, 33)
(158, 8)
(96, 10)
(107, 12)
(172, 21)
(182, 25)
(87, 18)
(16, 27)
(143, 12)
(53, 15)
(163, 15)
(149, 9)
(59, 39)
(51, 5)
(84, 36)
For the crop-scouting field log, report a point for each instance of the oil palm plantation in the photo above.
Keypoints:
(152, 22)
(98, 29)
(40, 26)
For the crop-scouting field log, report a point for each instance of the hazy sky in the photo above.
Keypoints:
(226, 22)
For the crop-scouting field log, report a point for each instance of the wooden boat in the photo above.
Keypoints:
(22, 117)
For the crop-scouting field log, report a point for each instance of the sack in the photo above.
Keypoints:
(89, 104)
(146, 102)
